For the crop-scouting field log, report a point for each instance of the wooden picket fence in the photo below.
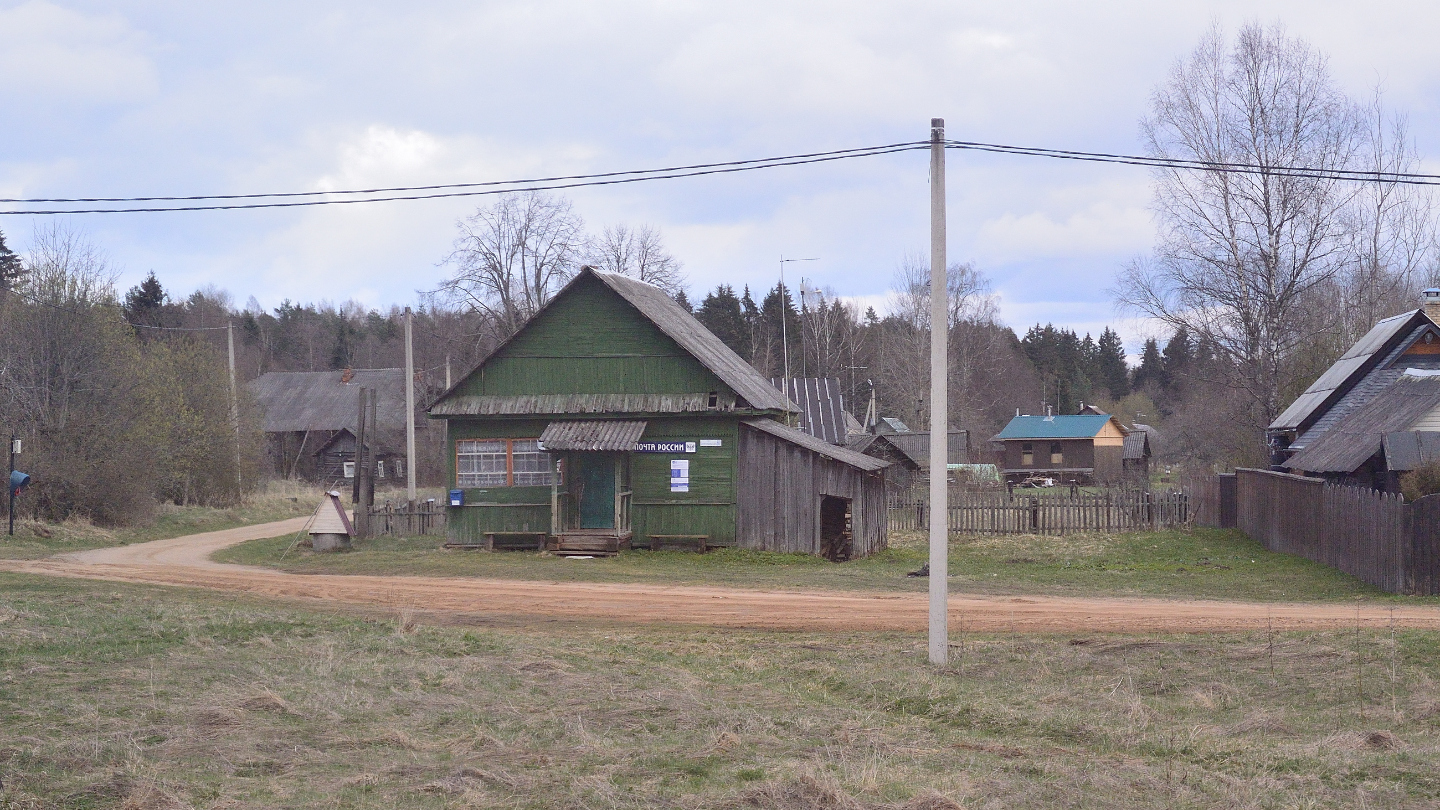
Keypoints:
(397, 519)
(1021, 512)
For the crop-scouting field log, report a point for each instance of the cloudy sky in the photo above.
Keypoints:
(152, 98)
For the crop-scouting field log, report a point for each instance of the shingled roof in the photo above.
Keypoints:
(1361, 433)
(297, 401)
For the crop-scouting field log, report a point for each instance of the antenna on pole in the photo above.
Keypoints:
(784, 317)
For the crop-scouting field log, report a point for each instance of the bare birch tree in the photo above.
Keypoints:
(638, 253)
(1238, 254)
(511, 257)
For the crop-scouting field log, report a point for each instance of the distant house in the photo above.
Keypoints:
(903, 471)
(613, 418)
(310, 421)
(1083, 449)
(1349, 425)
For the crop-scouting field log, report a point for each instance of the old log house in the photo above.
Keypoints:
(613, 418)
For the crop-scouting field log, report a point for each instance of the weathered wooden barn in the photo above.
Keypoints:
(614, 418)
(1084, 449)
(309, 421)
(904, 471)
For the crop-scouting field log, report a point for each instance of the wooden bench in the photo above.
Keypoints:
(506, 541)
(696, 541)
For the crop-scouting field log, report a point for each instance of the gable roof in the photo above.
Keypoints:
(1361, 433)
(822, 406)
(677, 324)
(297, 401)
(1350, 369)
(863, 442)
(824, 448)
(1070, 426)
(1410, 450)
(1137, 446)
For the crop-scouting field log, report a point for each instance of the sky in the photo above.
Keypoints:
(170, 98)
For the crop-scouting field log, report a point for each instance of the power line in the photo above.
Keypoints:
(1401, 178)
(563, 182)
(615, 179)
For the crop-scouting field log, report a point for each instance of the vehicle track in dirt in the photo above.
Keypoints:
(185, 562)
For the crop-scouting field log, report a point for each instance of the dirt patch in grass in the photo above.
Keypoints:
(114, 695)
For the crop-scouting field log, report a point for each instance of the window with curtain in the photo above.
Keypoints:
(1027, 454)
(1057, 453)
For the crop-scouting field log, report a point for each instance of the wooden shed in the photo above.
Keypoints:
(614, 419)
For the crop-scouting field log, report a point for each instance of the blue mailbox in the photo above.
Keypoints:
(18, 481)
(457, 497)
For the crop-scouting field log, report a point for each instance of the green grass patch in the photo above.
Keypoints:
(1199, 563)
(114, 695)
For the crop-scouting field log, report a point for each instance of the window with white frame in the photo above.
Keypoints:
(481, 463)
(502, 463)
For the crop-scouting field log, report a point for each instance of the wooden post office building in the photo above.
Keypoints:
(613, 419)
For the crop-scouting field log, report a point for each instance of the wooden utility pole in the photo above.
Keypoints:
(939, 410)
(359, 432)
(234, 410)
(409, 410)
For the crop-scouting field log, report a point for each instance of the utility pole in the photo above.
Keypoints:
(409, 410)
(234, 410)
(939, 416)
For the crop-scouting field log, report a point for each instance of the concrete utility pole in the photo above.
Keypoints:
(234, 409)
(939, 406)
(409, 410)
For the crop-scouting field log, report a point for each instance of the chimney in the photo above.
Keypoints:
(1431, 297)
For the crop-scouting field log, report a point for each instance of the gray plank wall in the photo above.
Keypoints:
(779, 490)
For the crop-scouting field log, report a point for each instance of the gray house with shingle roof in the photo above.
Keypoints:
(1383, 385)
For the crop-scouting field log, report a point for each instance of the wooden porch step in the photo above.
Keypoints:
(589, 543)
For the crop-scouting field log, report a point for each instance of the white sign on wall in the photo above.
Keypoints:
(680, 475)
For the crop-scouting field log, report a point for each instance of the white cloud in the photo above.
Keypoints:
(52, 54)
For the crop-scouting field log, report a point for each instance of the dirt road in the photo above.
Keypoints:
(185, 561)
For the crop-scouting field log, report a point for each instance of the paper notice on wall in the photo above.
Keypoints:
(680, 475)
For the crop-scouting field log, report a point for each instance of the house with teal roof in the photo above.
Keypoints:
(1080, 449)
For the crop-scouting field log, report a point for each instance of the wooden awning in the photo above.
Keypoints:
(611, 435)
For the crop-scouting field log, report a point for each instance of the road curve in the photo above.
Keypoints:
(185, 561)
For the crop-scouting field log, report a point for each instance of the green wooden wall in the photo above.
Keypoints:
(591, 341)
(496, 509)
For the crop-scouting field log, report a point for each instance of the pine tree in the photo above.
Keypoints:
(1151, 373)
(1111, 370)
(11, 268)
(722, 313)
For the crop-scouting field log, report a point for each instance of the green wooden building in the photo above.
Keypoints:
(614, 418)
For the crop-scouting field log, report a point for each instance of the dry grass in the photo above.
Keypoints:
(277, 500)
(117, 696)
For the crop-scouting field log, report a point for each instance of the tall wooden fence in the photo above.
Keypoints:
(1372, 535)
(999, 512)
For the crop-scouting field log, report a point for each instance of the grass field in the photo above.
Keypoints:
(1202, 563)
(279, 500)
(128, 696)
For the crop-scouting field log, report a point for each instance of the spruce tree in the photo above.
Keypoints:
(1177, 356)
(1111, 369)
(721, 312)
(11, 268)
(1151, 372)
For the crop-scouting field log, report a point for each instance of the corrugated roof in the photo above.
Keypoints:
(461, 405)
(670, 318)
(1346, 371)
(600, 434)
(694, 338)
(1065, 426)
(820, 446)
(1137, 446)
(1411, 450)
(295, 401)
(822, 407)
(1360, 434)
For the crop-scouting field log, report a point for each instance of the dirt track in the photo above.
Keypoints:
(185, 561)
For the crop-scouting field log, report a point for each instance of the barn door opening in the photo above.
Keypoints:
(836, 531)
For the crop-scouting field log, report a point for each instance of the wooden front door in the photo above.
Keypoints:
(597, 489)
